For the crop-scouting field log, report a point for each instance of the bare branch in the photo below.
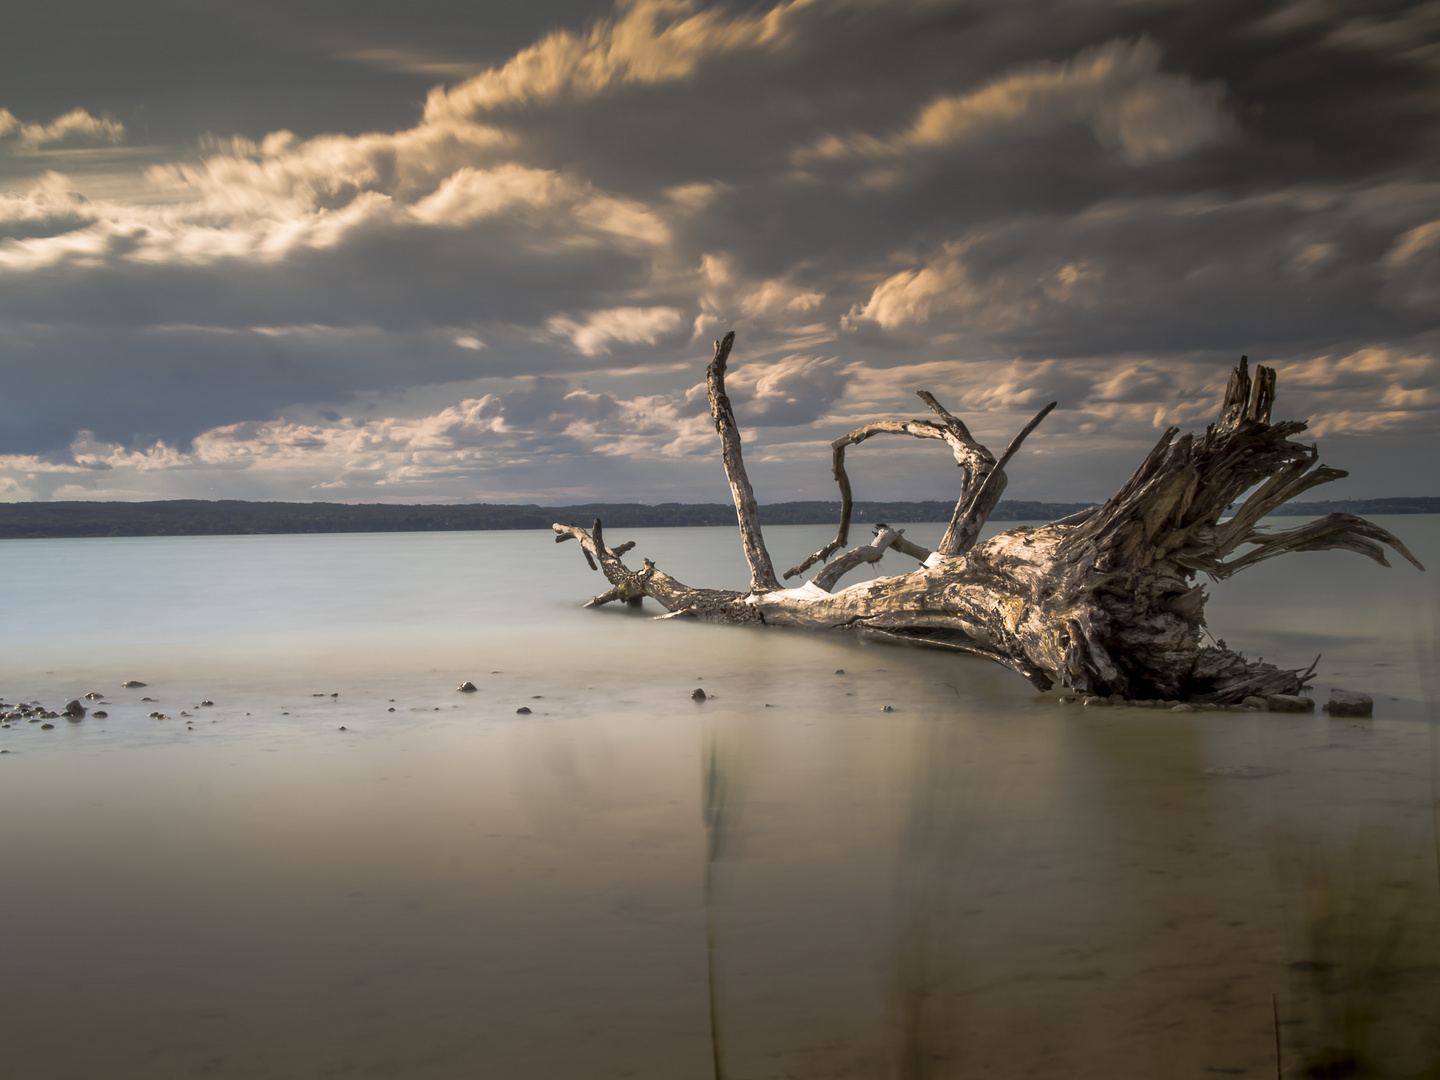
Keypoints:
(920, 429)
(762, 574)
(867, 553)
(972, 513)
(1332, 531)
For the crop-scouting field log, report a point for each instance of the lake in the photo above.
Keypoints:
(625, 882)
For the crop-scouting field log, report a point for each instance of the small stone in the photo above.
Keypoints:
(1349, 703)
(206, 704)
(74, 709)
(698, 694)
(1066, 699)
(46, 727)
(335, 695)
(147, 699)
(391, 709)
(1207, 706)
(467, 687)
(839, 671)
(100, 714)
(93, 696)
(1289, 703)
(184, 713)
(342, 727)
(1254, 702)
(523, 710)
(1182, 707)
(1096, 699)
(887, 708)
(132, 684)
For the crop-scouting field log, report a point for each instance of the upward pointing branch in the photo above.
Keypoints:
(762, 574)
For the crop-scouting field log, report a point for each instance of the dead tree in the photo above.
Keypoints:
(1103, 602)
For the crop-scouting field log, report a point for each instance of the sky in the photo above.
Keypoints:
(453, 252)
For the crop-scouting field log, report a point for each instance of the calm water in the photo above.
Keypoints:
(981, 883)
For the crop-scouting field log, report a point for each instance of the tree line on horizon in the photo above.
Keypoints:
(200, 517)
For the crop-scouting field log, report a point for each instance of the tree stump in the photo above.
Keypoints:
(1103, 602)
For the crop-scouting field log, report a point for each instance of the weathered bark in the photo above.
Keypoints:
(1102, 602)
(762, 575)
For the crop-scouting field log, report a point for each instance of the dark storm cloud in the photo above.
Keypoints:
(1048, 192)
(171, 70)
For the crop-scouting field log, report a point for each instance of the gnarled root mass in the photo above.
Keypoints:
(1104, 602)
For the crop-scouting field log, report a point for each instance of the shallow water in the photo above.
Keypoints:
(980, 883)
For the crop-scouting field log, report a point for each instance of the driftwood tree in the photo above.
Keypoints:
(1103, 602)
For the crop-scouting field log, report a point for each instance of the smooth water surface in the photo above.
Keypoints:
(978, 883)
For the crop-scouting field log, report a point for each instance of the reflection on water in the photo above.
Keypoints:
(1362, 995)
(780, 881)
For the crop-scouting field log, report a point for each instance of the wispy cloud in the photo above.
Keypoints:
(75, 126)
(647, 42)
(1118, 90)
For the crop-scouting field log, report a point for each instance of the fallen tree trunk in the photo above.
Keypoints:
(1103, 602)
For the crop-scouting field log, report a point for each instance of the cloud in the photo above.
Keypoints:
(1276, 269)
(1105, 203)
(630, 325)
(1134, 110)
(544, 419)
(75, 126)
(648, 42)
(1413, 267)
(791, 391)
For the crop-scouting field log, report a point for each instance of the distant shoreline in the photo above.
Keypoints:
(198, 517)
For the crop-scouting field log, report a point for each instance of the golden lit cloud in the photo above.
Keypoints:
(1134, 109)
(646, 42)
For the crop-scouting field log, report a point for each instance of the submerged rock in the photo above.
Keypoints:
(523, 710)
(74, 709)
(1349, 703)
(467, 687)
(132, 684)
(697, 694)
(1289, 703)
(100, 714)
